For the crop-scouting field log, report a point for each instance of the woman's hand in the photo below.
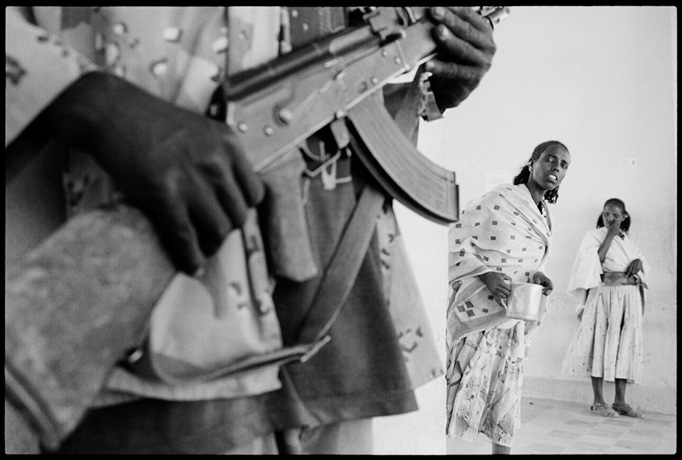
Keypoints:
(465, 53)
(541, 279)
(614, 228)
(499, 286)
(612, 231)
(634, 267)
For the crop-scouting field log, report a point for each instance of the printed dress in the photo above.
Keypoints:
(502, 231)
(608, 342)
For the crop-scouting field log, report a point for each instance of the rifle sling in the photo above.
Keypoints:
(337, 281)
(340, 275)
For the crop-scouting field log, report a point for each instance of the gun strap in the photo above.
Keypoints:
(340, 274)
(337, 282)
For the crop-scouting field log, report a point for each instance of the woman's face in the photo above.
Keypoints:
(612, 215)
(551, 167)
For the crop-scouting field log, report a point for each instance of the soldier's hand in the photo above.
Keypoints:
(465, 53)
(185, 171)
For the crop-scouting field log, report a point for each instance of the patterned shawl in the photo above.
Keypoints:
(501, 231)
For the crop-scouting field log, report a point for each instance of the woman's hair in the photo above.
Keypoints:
(522, 177)
(625, 224)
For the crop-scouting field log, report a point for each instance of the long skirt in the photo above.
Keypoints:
(484, 381)
(608, 343)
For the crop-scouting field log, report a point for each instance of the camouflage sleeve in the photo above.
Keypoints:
(37, 69)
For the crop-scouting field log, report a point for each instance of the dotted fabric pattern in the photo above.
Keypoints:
(501, 231)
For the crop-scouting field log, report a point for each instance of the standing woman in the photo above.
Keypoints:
(502, 237)
(608, 278)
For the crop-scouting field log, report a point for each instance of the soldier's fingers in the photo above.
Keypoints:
(250, 182)
(209, 218)
(463, 74)
(178, 236)
(463, 23)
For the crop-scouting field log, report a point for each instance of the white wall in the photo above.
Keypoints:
(603, 81)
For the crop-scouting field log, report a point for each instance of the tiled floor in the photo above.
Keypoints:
(556, 427)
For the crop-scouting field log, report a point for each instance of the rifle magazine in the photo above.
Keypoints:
(418, 183)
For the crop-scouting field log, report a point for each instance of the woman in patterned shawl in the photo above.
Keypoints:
(502, 237)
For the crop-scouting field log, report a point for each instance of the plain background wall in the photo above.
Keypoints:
(603, 80)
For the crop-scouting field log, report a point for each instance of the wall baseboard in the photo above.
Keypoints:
(658, 400)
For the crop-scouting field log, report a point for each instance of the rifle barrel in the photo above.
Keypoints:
(254, 80)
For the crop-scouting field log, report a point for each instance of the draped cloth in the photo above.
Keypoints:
(502, 231)
(587, 269)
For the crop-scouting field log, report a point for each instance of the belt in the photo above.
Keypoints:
(618, 279)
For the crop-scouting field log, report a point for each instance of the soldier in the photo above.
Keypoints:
(125, 89)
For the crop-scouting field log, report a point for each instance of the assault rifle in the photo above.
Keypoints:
(279, 104)
(107, 268)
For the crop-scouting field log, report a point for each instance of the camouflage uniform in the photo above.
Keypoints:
(179, 54)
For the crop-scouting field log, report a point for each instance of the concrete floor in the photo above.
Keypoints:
(557, 427)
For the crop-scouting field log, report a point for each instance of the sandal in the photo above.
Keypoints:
(603, 410)
(625, 409)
